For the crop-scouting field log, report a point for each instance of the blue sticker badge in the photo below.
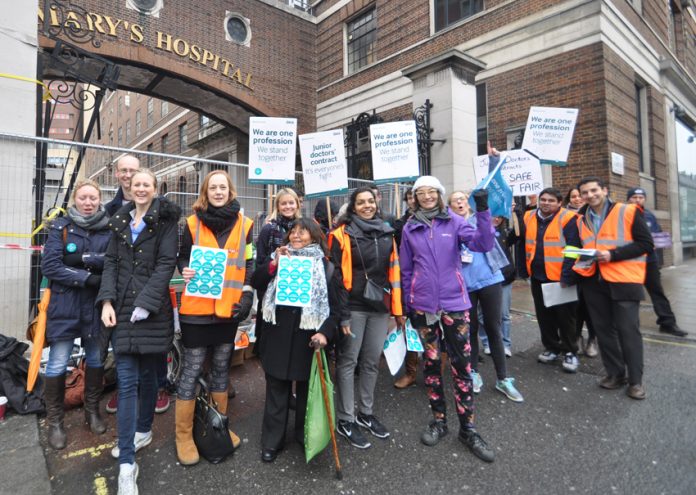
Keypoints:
(71, 247)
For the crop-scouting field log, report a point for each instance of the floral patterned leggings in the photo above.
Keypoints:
(450, 334)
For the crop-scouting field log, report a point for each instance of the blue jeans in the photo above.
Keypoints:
(137, 395)
(505, 323)
(59, 356)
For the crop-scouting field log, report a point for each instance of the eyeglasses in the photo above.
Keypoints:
(458, 199)
(429, 192)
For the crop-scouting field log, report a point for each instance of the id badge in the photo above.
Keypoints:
(467, 256)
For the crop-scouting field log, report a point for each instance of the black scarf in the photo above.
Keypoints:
(375, 224)
(220, 219)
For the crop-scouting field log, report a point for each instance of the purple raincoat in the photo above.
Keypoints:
(430, 260)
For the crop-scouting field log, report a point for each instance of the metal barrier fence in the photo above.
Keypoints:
(23, 205)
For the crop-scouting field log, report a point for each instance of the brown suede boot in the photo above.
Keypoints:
(221, 399)
(186, 450)
(409, 376)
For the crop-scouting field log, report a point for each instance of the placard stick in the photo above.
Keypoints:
(271, 199)
(328, 213)
(397, 197)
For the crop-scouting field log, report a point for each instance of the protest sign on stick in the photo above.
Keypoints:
(324, 167)
(549, 133)
(499, 193)
(272, 150)
(522, 172)
(394, 151)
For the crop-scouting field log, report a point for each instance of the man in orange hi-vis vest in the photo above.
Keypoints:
(612, 282)
(548, 229)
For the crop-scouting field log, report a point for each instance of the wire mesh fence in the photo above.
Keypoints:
(33, 190)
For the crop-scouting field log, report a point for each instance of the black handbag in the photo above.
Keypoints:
(373, 293)
(210, 428)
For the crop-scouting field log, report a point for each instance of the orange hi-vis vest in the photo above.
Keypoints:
(393, 273)
(554, 242)
(237, 255)
(616, 231)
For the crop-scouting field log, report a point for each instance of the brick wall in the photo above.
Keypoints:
(575, 80)
(281, 56)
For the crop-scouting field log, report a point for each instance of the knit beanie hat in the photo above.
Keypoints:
(634, 191)
(429, 181)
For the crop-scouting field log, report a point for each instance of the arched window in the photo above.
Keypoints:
(182, 184)
(163, 189)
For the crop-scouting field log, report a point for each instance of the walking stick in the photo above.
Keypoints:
(320, 366)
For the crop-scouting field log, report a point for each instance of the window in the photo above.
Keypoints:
(120, 137)
(150, 148)
(138, 123)
(128, 132)
(120, 105)
(686, 168)
(150, 112)
(481, 119)
(183, 138)
(165, 143)
(205, 121)
(182, 184)
(361, 36)
(448, 12)
(642, 135)
(165, 108)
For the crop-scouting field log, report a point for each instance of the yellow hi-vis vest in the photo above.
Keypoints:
(238, 252)
(616, 231)
(393, 273)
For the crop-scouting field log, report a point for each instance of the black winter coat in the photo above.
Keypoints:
(285, 351)
(376, 249)
(13, 377)
(137, 274)
(71, 311)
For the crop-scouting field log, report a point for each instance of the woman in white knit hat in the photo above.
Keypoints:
(436, 299)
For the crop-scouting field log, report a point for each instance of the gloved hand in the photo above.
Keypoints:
(241, 310)
(72, 259)
(481, 199)
(139, 314)
(93, 281)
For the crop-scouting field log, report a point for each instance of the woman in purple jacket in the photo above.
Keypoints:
(436, 299)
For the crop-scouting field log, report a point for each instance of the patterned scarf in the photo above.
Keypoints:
(314, 316)
(281, 226)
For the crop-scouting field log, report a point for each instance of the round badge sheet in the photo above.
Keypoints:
(210, 264)
(294, 281)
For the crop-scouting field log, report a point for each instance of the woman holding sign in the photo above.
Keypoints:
(134, 294)
(365, 250)
(286, 209)
(436, 298)
(295, 319)
(217, 298)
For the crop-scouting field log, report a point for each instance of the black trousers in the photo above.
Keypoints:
(275, 412)
(618, 331)
(583, 316)
(556, 324)
(490, 299)
(661, 306)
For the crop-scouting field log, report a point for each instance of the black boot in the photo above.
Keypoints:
(54, 394)
(94, 385)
